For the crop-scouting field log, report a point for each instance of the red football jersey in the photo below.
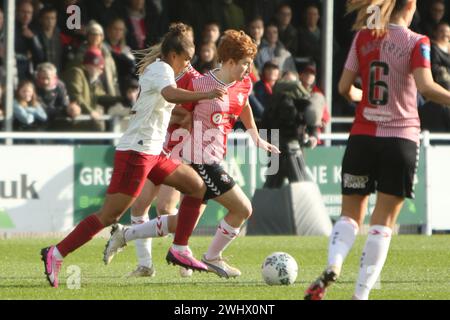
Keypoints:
(184, 81)
(385, 65)
(214, 119)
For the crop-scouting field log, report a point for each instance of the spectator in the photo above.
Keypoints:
(435, 14)
(319, 112)
(255, 29)
(262, 8)
(287, 33)
(103, 11)
(435, 117)
(2, 38)
(95, 37)
(84, 89)
(131, 92)
(121, 53)
(146, 22)
(211, 32)
(274, 51)
(136, 24)
(309, 35)
(2, 108)
(53, 95)
(232, 15)
(207, 58)
(28, 49)
(263, 88)
(72, 38)
(28, 112)
(50, 37)
(440, 55)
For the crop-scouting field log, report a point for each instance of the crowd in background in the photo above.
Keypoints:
(68, 79)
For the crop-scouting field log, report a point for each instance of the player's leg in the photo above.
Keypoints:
(357, 183)
(387, 209)
(114, 207)
(398, 164)
(239, 210)
(187, 181)
(168, 199)
(139, 215)
(128, 166)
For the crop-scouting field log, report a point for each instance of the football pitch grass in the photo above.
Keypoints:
(417, 267)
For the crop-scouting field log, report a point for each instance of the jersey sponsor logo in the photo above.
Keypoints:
(377, 115)
(220, 118)
(355, 182)
(426, 51)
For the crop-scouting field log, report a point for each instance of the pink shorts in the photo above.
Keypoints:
(132, 168)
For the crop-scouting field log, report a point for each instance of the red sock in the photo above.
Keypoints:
(187, 218)
(82, 233)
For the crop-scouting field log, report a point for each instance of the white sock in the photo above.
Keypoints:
(179, 248)
(143, 246)
(154, 228)
(57, 254)
(372, 260)
(223, 237)
(341, 241)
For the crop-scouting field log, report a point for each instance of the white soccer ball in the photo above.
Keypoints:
(279, 268)
(185, 273)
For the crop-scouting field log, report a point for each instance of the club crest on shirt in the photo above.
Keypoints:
(225, 178)
(240, 98)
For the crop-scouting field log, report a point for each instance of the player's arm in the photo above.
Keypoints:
(430, 89)
(249, 122)
(176, 95)
(182, 117)
(346, 87)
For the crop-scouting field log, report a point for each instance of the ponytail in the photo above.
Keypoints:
(387, 9)
(147, 57)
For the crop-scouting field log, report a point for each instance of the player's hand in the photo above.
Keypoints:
(217, 93)
(263, 144)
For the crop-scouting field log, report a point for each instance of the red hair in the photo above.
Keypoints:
(236, 45)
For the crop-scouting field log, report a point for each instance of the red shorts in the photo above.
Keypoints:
(132, 168)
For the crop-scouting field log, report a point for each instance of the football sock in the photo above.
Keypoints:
(341, 241)
(188, 214)
(372, 260)
(143, 246)
(82, 233)
(223, 237)
(157, 227)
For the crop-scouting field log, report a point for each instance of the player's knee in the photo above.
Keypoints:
(195, 187)
(247, 210)
(164, 208)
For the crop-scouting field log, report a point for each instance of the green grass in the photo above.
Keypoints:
(417, 268)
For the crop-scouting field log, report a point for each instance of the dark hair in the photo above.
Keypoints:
(47, 9)
(176, 40)
(270, 65)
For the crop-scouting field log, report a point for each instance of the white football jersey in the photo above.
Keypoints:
(151, 113)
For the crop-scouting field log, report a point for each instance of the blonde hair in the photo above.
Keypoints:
(387, 8)
(147, 57)
(176, 39)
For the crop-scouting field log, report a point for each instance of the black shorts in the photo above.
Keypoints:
(387, 165)
(217, 180)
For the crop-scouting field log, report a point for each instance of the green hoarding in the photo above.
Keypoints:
(93, 168)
